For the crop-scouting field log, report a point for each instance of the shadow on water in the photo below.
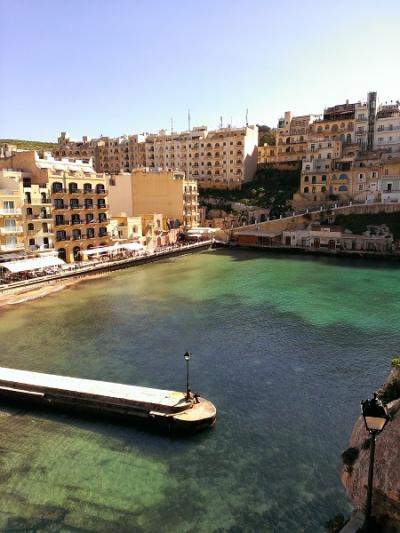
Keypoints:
(247, 254)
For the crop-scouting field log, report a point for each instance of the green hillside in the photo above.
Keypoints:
(29, 145)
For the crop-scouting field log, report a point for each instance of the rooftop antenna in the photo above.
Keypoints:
(230, 125)
(189, 119)
(172, 125)
(247, 117)
(221, 122)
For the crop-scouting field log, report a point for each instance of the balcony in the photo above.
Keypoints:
(10, 230)
(11, 247)
(17, 211)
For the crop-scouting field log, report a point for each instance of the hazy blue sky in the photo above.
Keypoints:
(111, 67)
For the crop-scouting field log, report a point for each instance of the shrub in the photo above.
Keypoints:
(349, 456)
(396, 361)
(391, 391)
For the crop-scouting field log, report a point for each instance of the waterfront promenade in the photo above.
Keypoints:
(85, 270)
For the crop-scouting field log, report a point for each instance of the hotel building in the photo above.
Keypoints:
(63, 204)
(223, 158)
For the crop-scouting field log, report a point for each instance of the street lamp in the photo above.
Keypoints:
(375, 418)
(187, 359)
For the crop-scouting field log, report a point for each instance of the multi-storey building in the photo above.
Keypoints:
(291, 141)
(387, 130)
(223, 158)
(11, 224)
(33, 227)
(63, 203)
(148, 191)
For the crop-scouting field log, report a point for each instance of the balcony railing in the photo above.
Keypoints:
(11, 247)
(11, 229)
(16, 211)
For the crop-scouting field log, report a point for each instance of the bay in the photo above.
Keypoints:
(286, 347)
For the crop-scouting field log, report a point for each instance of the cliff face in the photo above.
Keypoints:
(386, 484)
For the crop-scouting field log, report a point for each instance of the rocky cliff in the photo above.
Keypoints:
(386, 485)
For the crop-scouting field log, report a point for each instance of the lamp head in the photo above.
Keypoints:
(375, 414)
(187, 356)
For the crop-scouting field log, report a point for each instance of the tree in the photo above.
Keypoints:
(266, 135)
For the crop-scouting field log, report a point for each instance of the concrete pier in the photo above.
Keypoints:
(162, 407)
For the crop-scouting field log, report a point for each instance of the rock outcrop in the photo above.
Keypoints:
(386, 485)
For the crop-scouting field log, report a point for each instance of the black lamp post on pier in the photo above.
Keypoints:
(187, 359)
(375, 418)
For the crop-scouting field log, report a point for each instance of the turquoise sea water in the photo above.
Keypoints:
(285, 347)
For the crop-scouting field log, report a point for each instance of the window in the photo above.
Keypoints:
(306, 190)
(306, 179)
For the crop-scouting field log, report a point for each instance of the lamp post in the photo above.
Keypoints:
(187, 359)
(375, 418)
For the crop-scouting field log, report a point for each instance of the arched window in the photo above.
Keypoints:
(306, 179)
(100, 188)
(30, 226)
(314, 179)
(348, 138)
(57, 187)
(306, 190)
(343, 177)
(87, 187)
(73, 187)
(342, 188)
(323, 177)
(288, 140)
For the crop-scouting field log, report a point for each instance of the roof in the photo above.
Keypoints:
(32, 264)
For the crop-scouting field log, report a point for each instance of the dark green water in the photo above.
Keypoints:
(285, 347)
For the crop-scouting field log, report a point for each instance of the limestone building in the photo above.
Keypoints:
(148, 191)
(63, 204)
(223, 158)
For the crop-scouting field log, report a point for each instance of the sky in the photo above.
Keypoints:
(97, 67)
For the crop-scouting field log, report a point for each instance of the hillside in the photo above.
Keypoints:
(271, 188)
(29, 145)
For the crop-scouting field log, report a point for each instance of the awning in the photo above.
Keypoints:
(133, 246)
(103, 249)
(32, 264)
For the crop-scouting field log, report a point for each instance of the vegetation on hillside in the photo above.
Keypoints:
(29, 145)
(265, 135)
(271, 188)
(358, 224)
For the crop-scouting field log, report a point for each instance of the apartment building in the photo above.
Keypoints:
(223, 158)
(63, 203)
(147, 191)
(387, 130)
(291, 141)
(28, 219)
(11, 223)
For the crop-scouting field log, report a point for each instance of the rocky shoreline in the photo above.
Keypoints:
(386, 484)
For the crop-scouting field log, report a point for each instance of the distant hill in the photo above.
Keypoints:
(29, 145)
